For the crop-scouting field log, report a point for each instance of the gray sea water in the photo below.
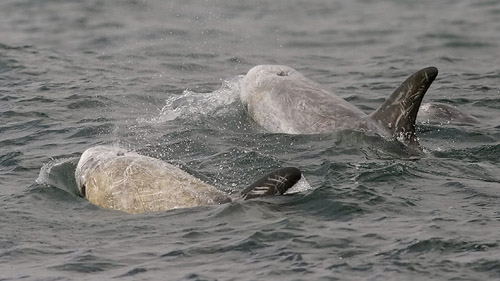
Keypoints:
(162, 78)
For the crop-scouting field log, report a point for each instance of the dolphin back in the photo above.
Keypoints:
(398, 113)
(118, 179)
(445, 113)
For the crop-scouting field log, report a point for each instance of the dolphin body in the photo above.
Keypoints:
(445, 113)
(282, 100)
(117, 179)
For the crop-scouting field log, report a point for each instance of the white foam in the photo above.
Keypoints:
(301, 186)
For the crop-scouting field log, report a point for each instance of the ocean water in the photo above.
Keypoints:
(162, 78)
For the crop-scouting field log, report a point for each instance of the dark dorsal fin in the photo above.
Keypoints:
(274, 183)
(399, 112)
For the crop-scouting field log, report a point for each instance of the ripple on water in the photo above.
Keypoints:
(87, 263)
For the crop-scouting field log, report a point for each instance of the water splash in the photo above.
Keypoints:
(195, 105)
(301, 186)
(59, 173)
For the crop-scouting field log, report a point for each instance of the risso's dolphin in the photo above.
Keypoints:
(281, 100)
(115, 178)
(445, 113)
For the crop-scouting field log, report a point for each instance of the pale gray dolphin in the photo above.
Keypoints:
(115, 178)
(281, 100)
(445, 113)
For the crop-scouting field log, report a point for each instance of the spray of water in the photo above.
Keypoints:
(194, 105)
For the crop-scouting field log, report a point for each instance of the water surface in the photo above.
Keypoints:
(162, 78)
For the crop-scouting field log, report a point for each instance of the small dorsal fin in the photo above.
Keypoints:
(274, 183)
(399, 112)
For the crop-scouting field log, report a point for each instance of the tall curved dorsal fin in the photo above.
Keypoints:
(399, 112)
(275, 183)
